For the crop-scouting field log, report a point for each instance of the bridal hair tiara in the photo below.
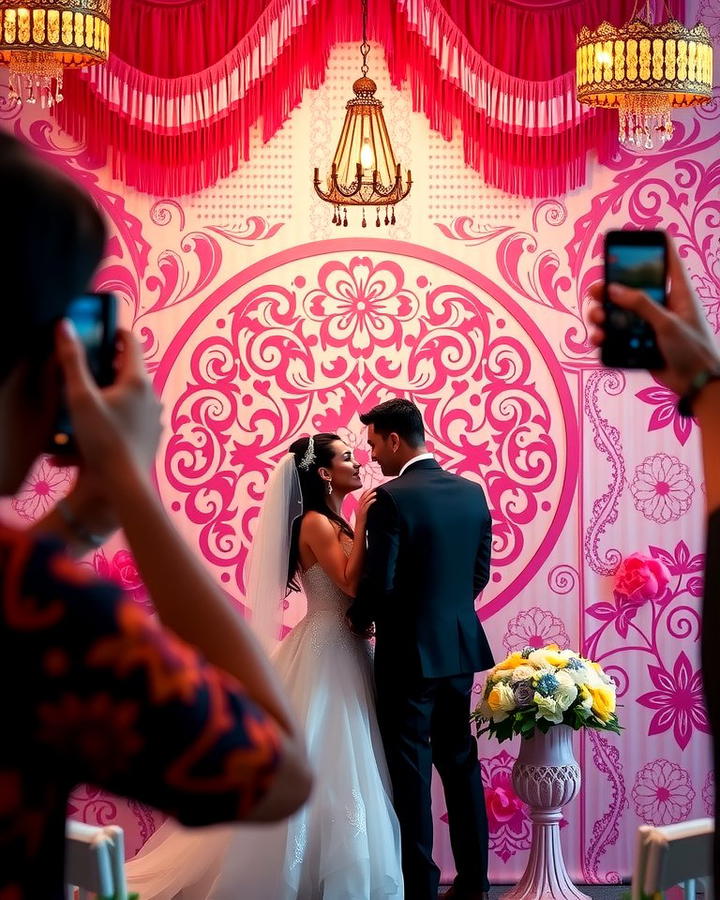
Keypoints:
(309, 457)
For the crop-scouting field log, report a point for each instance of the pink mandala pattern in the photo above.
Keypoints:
(662, 488)
(535, 628)
(510, 826)
(307, 342)
(662, 793)
(361, 306)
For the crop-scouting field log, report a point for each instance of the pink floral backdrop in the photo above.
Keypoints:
(260, 321)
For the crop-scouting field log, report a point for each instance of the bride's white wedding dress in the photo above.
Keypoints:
(345, 843)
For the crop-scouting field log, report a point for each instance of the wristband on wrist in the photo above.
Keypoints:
(76, 527)
(687, 401)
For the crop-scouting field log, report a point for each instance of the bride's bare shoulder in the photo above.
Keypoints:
(316, 524)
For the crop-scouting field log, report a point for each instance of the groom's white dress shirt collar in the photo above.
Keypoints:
(415, 459)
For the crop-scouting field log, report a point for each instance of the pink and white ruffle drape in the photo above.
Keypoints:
(187, 80)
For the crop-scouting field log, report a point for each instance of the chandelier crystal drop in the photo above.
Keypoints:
(644, 70)
(364, 171)
(39, 39)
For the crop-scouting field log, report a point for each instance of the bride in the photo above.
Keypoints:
(345, 843)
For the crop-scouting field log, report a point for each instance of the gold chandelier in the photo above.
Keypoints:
(645, 71)
(364, 171)
(39, 39)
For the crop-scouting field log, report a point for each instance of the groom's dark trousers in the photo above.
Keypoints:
(428, 558)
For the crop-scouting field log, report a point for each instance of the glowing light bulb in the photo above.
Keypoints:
(367, 157)
(604, 58)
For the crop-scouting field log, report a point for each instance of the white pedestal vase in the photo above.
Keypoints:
(546, 776)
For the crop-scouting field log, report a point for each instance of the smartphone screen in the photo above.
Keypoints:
(94, 318)
(637, 259)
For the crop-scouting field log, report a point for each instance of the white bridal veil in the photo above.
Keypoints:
(266, 583)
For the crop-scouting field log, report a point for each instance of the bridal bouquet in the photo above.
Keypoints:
(539, 688)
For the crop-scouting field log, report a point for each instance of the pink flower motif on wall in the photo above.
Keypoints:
(679, 561)
(535, 628)
(662, 488)
(507, 814)
(678, 699)
(708, 793)
(662, 793)
(362, 305)
(42, 490)
(621, 612)
(665, 413)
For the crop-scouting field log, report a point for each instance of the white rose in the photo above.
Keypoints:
(564, 678)
(593, 677)
(548, 709)
(579, 676)
(523, 673)
(565, 696)
(539, 659)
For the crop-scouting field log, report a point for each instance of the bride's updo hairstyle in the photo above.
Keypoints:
(314, 491)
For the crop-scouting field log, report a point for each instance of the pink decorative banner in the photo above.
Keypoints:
(174, 115)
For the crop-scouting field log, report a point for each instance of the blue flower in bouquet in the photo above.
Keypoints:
(547, 684)
(524, 693)
(574, 663)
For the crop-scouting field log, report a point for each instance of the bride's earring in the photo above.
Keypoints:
(329, 484)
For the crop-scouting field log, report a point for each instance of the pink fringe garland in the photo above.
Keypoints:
(185, 157)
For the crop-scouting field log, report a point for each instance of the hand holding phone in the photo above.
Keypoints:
(638, 260)
(95, 319)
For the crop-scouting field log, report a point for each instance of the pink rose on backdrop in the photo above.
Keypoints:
(662, 793)
(641, 577)
(507, 814)
(535, 628)
(45, 486)
(662, 488)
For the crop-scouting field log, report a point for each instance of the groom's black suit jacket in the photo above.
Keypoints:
(428, 558)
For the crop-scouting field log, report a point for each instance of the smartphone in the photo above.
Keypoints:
(95, 319)
(637, 259)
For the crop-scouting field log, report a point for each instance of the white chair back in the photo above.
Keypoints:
(680, 854)
(94, 861)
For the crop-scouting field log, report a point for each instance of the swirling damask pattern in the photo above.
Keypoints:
(309, 342)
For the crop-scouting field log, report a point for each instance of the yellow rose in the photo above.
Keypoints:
(512, 662)
(603, 701)
(501, 699)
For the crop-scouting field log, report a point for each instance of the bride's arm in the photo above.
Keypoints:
(322, 537)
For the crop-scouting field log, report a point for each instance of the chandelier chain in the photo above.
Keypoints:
(364, 47)
(651, 10)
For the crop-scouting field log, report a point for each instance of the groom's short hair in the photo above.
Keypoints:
(398, 415)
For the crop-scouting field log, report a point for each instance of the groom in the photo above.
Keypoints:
(427, 559)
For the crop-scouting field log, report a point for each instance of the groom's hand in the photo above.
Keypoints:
(362, 631)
